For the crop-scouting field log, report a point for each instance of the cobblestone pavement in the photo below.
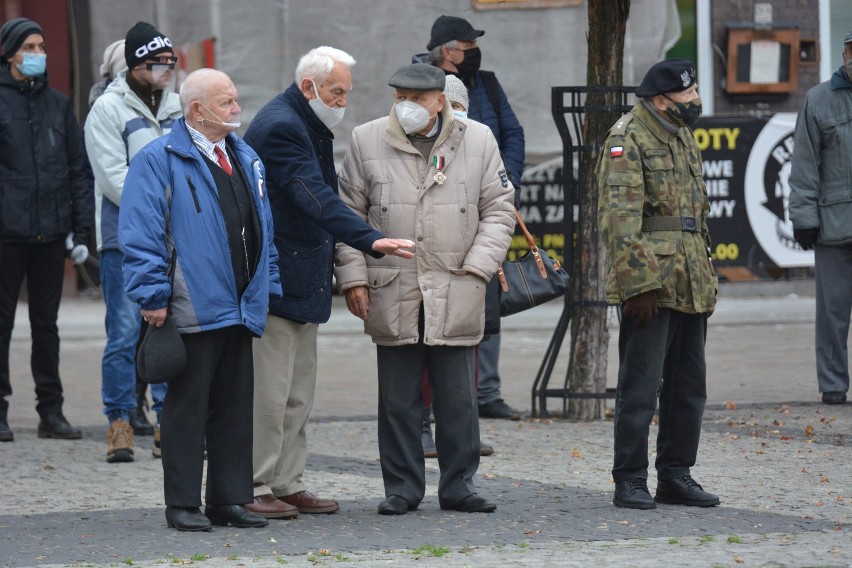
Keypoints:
(779, 459)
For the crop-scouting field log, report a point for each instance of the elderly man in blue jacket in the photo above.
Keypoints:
(292, 135)
(196, 231)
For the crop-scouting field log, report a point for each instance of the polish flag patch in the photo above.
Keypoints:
(616, 151)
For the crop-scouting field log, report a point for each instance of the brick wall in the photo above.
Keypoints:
(805, 13)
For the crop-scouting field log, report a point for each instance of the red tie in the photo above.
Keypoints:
(223, 160)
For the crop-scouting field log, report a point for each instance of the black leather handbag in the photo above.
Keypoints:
(531, 280)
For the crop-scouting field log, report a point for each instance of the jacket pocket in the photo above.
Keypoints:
(383, 318)
(664, 251)
(659, 175)
(625, 189)
(835, 210)
(300, 268)
(465, 308)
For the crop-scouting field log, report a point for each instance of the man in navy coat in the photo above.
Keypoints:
(292, 135)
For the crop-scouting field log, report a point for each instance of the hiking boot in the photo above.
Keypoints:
(683, 490)
(157, 451)
(119, 442)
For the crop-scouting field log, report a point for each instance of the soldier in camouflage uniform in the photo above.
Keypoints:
(652, 218)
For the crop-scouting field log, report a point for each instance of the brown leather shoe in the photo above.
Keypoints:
(272, 508)
(309, 503)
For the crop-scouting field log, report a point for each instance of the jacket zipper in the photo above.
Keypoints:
(194, 194)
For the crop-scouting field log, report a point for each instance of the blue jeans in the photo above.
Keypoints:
(118, 367)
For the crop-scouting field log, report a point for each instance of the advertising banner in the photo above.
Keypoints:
(746, 170)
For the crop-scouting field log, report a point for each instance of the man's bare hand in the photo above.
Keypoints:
(155, 317)
(358, 300)
(395, 247)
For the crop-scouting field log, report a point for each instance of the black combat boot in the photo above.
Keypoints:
(138, 419)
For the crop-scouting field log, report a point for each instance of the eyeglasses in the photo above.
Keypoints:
(170, 61)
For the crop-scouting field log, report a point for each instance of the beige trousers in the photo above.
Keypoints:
(285, 373)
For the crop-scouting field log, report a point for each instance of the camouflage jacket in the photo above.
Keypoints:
(652, 214)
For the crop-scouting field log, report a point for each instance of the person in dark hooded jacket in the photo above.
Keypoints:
(44, 197)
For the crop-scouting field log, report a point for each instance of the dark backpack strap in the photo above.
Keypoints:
(492, 88)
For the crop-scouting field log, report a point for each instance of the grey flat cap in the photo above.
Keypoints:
(418, 77)
(848, 38)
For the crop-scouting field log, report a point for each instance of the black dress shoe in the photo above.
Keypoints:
(187, 519)
(236, 515)
(633, 494)
(498, 409)
(395, 505)
(683, 490)
(6, 434)
(473, 503)
(834, 397)
(56, 426)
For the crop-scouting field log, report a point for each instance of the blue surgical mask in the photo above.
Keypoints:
(33, 65)
(460, 113)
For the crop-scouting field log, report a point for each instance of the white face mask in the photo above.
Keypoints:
(413, 117)
(233, 125)
(331, 117)
(460, 113)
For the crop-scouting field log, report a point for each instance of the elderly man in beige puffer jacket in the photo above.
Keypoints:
(422, 174)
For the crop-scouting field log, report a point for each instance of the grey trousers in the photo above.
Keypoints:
(488, 389)
(452, 378)
(833, 307)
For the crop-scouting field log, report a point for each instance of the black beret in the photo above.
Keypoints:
(162, 355)
(449, 28)
(14, 32)
(669, 76)
(419, 77)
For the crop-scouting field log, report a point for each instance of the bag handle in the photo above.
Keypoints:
(533, 249)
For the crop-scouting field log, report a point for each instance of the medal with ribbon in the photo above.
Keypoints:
(438, 161)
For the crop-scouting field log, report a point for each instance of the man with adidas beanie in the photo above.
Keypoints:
(137, 107)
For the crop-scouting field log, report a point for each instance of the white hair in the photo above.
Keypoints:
(195, 87)
(318, 63)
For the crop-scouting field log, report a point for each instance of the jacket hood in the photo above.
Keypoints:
(297, 100)
(7, 80)
(839, 80)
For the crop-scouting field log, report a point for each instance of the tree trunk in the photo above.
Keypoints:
(589, 333)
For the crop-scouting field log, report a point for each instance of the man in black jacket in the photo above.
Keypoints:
(45, 196)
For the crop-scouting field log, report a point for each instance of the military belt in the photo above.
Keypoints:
(687, 224)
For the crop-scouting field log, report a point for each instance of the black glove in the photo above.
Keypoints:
(806, 237)
(642, 307)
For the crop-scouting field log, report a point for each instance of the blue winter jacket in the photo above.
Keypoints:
(507, 130)
(296, 148)
(170, 204)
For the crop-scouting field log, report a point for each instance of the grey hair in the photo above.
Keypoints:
(318, 63)
(194, 87)
(436, 54)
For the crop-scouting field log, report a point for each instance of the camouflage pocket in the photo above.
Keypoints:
(664, 251)
(626, 190)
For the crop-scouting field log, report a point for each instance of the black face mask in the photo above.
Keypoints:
(470, 64)
(684, 114)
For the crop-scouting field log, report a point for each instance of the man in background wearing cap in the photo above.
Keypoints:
(292, 135)
(422, 175)
(820, 182)
(653, 220)
(138, 106)
(453, 47)
(45, 195)
(195, 228)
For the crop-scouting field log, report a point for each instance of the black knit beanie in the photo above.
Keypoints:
(143, 42)
(14, 32)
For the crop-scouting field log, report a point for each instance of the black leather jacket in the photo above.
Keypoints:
(44, 190)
